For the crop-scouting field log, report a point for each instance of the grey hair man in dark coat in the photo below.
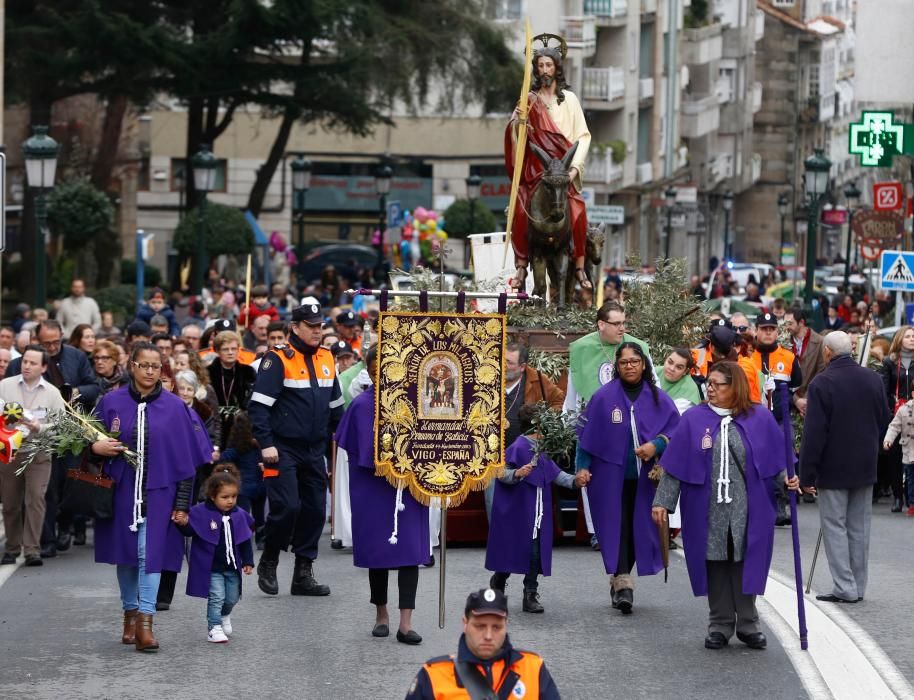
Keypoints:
(845, 418)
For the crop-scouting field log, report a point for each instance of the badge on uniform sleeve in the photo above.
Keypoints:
(212, 525)
(706, 442)
(606, 373)
(326, 370)
(780, 366)
(519, 690)
(267, 363)
(617, 415)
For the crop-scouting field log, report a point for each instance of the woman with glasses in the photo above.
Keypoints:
(108, 373)
(83, 338)
(722, 463)
(168, 443)
(627, 425)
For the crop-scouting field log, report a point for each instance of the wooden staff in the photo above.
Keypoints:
(247, 293)
(442, 541)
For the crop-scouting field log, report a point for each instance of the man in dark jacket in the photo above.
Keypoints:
(69, 371)
(846, 414)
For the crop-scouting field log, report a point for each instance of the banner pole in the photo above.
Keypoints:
(443, 567)
(520, 296)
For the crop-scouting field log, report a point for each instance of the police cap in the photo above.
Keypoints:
(723, 338)
(308, 313)
(767, 321)
(341, 347)
(487, 601)
(224, 324)
(347, 318)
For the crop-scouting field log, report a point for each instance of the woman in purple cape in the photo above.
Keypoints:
(722, 464)
(389, 527)
(627, 426)
(142, 539)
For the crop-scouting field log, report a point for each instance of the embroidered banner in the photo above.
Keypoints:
(440, 402)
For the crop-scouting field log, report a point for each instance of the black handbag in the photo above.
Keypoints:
(88, 492)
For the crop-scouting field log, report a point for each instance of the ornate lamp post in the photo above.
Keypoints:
(40, 152)
(474, 184)
(301, 183)
(728, 207)
(782, 210)
(851, 195)
(204, 166)
(670, 197)
(382, 186)
(817, 168)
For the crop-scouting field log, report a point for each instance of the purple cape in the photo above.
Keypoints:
(204, 541)
(373, 499)
(686, 460)
(609, 444)
(174, 451)
(514, 513)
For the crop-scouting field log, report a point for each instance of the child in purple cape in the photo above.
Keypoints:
(520, 530)
(220, 546)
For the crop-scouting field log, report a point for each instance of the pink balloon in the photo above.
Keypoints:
(420, 213)
(431, 216)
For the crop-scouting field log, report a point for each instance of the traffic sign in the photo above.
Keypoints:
(605, 214)
(394, 213)
(896, 271)
(886, 196)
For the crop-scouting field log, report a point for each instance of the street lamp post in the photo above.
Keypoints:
(670, 196)
(782, 210)
(851, 194)
(204, 166)
(474, 183)
(40, 152)
(728, 207)
(817, 168)
(301, 183)
(382, 186)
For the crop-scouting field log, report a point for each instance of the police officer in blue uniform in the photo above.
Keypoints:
(294, 409)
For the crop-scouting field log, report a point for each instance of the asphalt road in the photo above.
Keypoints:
(60, 631)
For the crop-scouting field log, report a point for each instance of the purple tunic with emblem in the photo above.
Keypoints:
(175, 447)
(202, 519)
(514, 513)
(374, 499)
(688, 457)
(607, 437)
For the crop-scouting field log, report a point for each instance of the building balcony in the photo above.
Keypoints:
(723, 88)
(644, 173)
(702, 45)
(700, 116)
(601, 169)
(759, 25)
(580, 34)
(682, 157)
(645, 88)
(603, 84)
(817, 109)
(756, 97)
(609, 13)
(718, 169)
(648, 7)
(756, 167)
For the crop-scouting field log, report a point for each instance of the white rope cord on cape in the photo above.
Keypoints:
(538, 517)
(229, 542)
(141, 466)
(398, 506)
(636, 442)
(723, 477)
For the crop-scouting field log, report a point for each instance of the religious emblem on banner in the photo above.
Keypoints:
(440, 402)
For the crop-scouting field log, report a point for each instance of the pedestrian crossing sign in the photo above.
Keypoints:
(896, 271)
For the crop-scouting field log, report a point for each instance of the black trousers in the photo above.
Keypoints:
(626, 529)
(890, 472)
(298, 503)
(52, 497)
(407, 583)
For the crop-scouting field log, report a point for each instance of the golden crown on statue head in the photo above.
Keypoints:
(554, 52)
(13, 412)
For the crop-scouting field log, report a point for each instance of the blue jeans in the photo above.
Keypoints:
(138, 588)
(909, 483)
(224, 592)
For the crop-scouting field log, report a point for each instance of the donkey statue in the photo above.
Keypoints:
(549, 228)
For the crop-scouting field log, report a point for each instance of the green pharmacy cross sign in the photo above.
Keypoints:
(876, 139)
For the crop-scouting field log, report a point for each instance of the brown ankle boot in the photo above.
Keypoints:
(129, 636)
(145, 639)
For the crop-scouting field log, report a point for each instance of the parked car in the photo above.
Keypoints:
(347, 258)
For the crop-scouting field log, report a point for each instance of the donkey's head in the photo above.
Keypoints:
(555, 175)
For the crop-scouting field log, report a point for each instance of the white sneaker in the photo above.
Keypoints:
(217, 635)
(227, 625)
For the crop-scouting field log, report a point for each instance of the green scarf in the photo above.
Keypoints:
(586, 357)
(347, 377)
(685, 388)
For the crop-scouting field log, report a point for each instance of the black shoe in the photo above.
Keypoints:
(33, 560)
(8, 558)
(380, 630)
(430, 563)
(266, 576)
(673, 544)
(808, 498)
(783, 520)
(715, 640)
(303, 581)
(48, 552)
(411, 637)
(532, 602)
(336, 544)
(896, 505)
(498, 581)
(831, 598)
(63, 541)
(624, 600)
(756, 640)
(162, 606)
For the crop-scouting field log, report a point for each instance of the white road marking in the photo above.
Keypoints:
(7, 570)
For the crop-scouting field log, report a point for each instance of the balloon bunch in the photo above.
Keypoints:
(278, 245)
(423, 237)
